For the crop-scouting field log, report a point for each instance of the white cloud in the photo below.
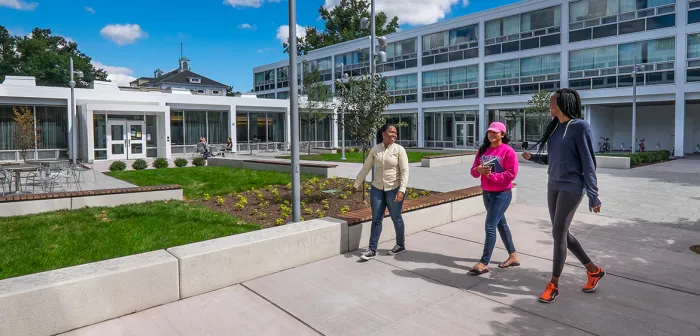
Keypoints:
(283, 32)
(18, 4)
(248, 3)
(246, 26)
(123, 34)
(120, 75)
(413, 12)
(89, 10)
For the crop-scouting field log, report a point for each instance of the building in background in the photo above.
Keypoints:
(181, 78)
(450, 79)
(117, 124)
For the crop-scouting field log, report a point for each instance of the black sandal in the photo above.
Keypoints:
(506, 264)
(475, 271)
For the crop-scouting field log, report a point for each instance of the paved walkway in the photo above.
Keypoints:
(652, 289)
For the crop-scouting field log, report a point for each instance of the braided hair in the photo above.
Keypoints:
(569, 102)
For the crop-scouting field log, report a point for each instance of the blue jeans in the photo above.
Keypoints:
(379, 201)
(496, 204)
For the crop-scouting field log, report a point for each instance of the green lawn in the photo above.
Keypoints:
(197, 181)
(357, 157)
(43, 242)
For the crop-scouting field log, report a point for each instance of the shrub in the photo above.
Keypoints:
(160, 163)
(180, 162)
(139, 164)
(199, 162)
(117, 166)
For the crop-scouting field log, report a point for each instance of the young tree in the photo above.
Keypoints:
(315, 101)
(363, 100)
(537, 113)
(46, 57)
(343, 24)
(26, 135)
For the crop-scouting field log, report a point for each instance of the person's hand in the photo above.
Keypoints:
(399, 197)
(527, 155)
(483, 170)
(596, 209)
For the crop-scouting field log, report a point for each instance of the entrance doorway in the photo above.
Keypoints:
(465, 135)
(126, 139)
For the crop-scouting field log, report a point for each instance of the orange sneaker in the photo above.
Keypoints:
(593, 280)
(550, 294)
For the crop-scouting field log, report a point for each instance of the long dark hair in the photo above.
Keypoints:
(383, 129)
(487, 143)
(569, 102)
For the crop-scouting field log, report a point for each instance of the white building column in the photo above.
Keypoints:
(420, 125)
(232, 126)
(564, 72)
(679, 132)
(288, 127)
(482, 121)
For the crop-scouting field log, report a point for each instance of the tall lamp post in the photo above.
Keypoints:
(294, 111)
(342, 79)
(637, 67)
(72, 120)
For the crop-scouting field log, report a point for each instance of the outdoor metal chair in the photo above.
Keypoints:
(6, 179)
(42, 178)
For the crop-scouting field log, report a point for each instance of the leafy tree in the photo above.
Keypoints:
(45, 57)
(315, 101)
(343, 24)
(363, 99)
(537, 112)
(26, 135)
(231, 93)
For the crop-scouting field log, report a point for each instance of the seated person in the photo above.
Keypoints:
(203, 148)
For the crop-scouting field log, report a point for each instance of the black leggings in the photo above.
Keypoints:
(562, 207)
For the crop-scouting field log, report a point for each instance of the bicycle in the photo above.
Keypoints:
(640, 145)
(605, 146)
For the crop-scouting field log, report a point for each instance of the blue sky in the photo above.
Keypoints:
(224, 39)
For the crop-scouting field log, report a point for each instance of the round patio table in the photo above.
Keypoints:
(18, 170)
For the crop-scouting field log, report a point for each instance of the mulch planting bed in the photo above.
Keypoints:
(270, 206)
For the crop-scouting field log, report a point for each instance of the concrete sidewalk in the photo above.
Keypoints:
(652, 288)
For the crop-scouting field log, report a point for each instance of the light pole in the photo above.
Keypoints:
(634, 103)
(294, 111)
(73, 140)
(342, 79)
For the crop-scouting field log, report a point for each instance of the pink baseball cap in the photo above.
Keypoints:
(497, 127)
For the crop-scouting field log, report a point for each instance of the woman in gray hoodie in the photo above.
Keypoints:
(571, 168)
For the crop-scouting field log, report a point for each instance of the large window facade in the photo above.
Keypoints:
(523, 76)
(187, 126)
(452, 45)
(355, 63)
(283, 77)
(407, 127)
(400, 55)
(51, 123)
(611, 66)
(264, 81)
(453, 83)
(592, 19)
(693, 11)
(255, 128)
(403, 89)
(451, 129)
(530, 30)
(694, 58)
(324, 66)
(318, 131)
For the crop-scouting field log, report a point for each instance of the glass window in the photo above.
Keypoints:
(434, 41)
(661, 50)
(503, 27)
(195, 126)
(694, 46)
(282, 73)
(218, 127)
(437, 77)
(99, 123)
(177, 129)
(52, 122)
(503, 69)
(400, 48)
(594, 58)
(151, 131)
(693, 16)
(463, 35)
(540, 65)
(404, 82)
(544, 18)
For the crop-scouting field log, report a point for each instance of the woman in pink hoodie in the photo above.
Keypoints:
(497, 165)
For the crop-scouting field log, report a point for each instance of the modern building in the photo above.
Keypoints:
(450, 79)
(181, 78)
(116, 124)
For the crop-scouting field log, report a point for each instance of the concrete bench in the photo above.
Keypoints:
(448, 159)
(324, 150)
(613, 162)
(321, 169)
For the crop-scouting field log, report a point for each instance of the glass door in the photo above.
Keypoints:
(465, 135)
(116, 140)
(136, 140)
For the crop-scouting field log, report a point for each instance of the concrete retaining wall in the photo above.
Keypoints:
(58, 301)
(219, 263)
(8, 209)
(326, 172)
(446, 161)
(121, 199)
(324, 150)
(613, 162)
